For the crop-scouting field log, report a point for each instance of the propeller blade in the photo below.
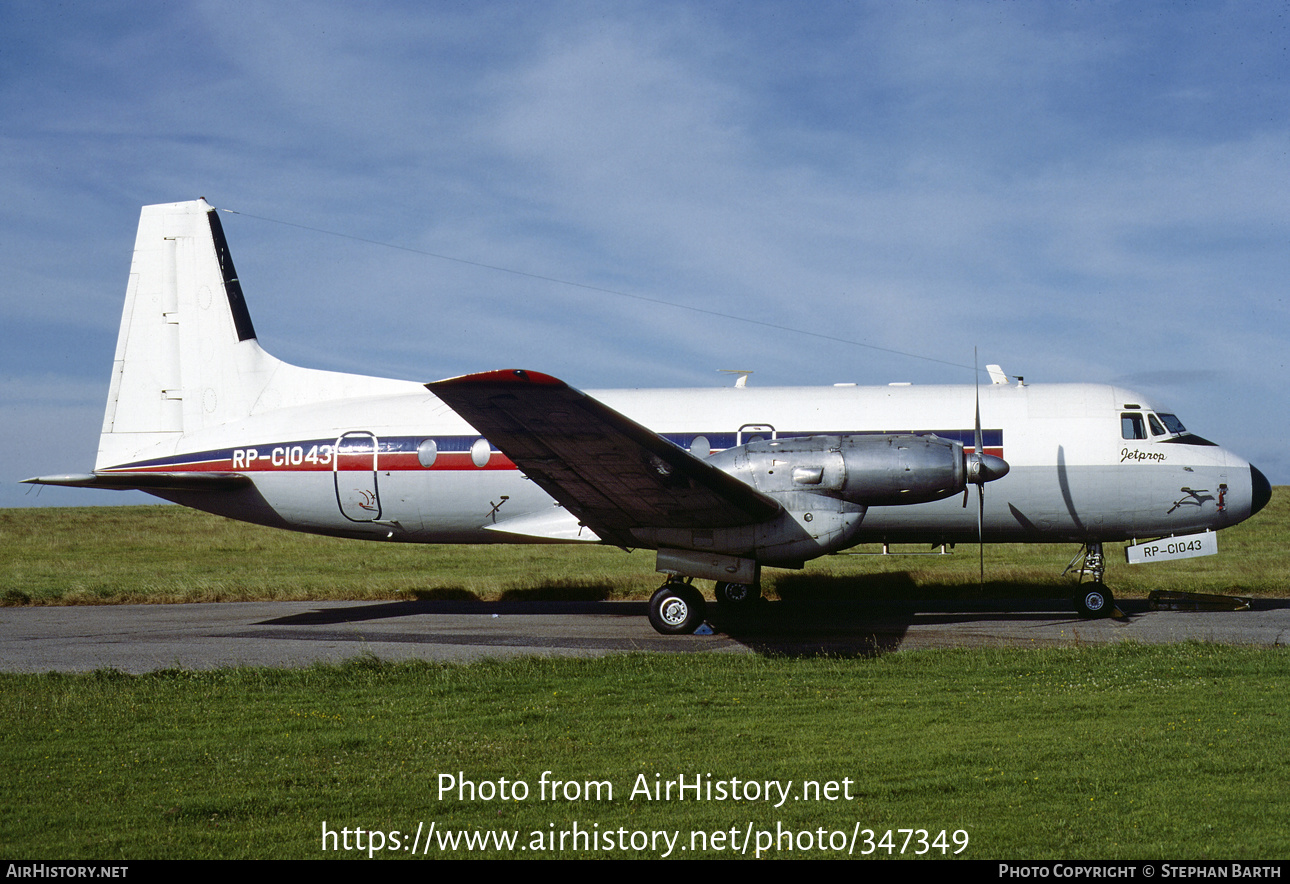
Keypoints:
(978, 445)
(978, 473)
(980, 531)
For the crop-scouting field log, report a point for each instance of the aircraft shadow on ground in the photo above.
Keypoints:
(814, 616)
(870, 615)
(463, 605)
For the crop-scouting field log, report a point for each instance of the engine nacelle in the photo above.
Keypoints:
(825, 484)
(870, 470)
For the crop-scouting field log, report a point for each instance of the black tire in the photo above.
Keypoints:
(1095, 600)
(676, 609)
(737, 594)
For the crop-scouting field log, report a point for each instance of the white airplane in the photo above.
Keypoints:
(719, 481)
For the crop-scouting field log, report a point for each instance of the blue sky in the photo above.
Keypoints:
(1092, 191)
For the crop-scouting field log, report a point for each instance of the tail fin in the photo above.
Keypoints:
(186, 357)
(185, 334)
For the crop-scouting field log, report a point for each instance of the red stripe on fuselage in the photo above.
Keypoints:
(279, 459)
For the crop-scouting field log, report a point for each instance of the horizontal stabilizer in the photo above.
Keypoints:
(124, 481)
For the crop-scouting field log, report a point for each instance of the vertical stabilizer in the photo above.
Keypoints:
(186, 357)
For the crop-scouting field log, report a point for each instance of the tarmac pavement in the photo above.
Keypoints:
(143, 638)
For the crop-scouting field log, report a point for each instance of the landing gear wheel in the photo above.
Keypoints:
(676, 609)
(1095, 600)
(737, 594)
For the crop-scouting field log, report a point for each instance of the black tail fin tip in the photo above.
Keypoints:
(236, 303)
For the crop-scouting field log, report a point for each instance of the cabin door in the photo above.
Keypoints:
(354, 468)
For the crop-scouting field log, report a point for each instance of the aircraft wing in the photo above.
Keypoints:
(606, 469)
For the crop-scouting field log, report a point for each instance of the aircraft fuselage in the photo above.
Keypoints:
(359, 468)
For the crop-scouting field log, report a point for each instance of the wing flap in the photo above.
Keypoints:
(606, 469)
(558, 525)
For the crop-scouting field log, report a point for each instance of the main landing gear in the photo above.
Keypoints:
(678, 608)
(737, 594)
(1095, 599)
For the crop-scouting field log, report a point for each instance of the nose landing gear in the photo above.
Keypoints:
(1095, 599)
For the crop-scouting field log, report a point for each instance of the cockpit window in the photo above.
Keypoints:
(1173, 424)
(1132, 426)
(1156, 429)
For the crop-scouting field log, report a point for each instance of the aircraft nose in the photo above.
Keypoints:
(1260, 490)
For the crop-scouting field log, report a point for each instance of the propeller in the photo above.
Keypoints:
(981, 468)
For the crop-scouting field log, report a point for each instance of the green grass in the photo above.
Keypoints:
(105, 555)
(1107, 752)
(1112, 752)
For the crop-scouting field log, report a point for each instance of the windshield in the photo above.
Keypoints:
(1172, 424)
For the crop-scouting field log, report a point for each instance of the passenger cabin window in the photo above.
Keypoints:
(1132, 426)
(427, 452)
(1156, 429)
